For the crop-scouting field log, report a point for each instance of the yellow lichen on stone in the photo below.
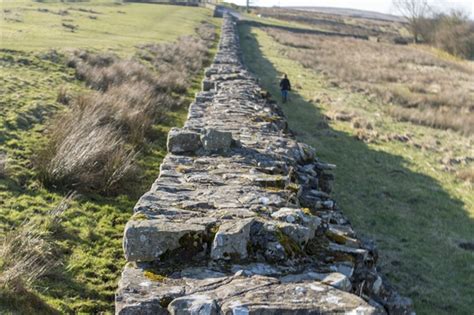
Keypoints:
(139, 216)
(154, 277)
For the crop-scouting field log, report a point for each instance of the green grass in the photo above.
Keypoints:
(117, 26)
(396, 193)
(88, 242)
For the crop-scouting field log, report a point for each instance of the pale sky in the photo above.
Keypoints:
(384, 6)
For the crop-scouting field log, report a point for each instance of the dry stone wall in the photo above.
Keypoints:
(240, 220)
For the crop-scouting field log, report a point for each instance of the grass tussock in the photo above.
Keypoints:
(466, 175)
(27, 252)
(425, 89)
(94, 144)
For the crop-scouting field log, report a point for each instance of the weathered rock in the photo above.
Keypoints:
(182, 141)
(215, 141)
(147, 240)
(208, 85)
(336, 280)
(231, 240)
(197, 304)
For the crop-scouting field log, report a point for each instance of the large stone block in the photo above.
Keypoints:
(231, 240)
(215, 141)
(147, 240)
(182, 141)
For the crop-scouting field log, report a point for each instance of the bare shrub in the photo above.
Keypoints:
(427, 90)
(27, 252)
(454, 33)
(415, 12)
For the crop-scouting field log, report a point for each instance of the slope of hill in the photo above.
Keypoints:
(335, 22)
(97, 46)
(404, 180)
(352, 12)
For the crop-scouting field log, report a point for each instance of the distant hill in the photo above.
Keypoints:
(353, 13)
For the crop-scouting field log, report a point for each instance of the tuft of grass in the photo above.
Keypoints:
(27, 252)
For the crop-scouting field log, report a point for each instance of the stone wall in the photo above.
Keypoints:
(240, 220)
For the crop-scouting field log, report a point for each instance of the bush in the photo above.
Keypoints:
(455, 34)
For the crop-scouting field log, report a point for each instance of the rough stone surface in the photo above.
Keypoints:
(231, 240)
(182, 141)
(147, 240)
(214, 140)
(241, 221)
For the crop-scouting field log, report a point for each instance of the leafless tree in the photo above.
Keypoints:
(416, 13)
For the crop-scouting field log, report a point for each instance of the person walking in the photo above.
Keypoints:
(285, 87)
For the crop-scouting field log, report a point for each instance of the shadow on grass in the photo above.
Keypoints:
(23, 302)
(416, 223)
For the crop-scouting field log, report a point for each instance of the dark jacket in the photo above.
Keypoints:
(285, 85)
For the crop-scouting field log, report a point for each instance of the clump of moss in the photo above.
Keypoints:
(154, 277)
(293, 187)
(292, 249)
(165, 301)
(139, 216)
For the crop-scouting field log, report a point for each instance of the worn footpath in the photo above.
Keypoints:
(240, 220)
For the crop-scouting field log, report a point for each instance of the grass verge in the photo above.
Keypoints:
(390, 178)
(87, 241)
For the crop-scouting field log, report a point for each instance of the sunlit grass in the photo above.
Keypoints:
(395, 192)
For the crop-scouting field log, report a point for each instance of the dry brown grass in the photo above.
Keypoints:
(27, 252)
(466, 174)
(380, 29)
(93, 145)
(85, 152)
(425, 89)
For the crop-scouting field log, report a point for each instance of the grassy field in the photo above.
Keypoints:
(87, 241)
(398, 182)
(27, 25)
